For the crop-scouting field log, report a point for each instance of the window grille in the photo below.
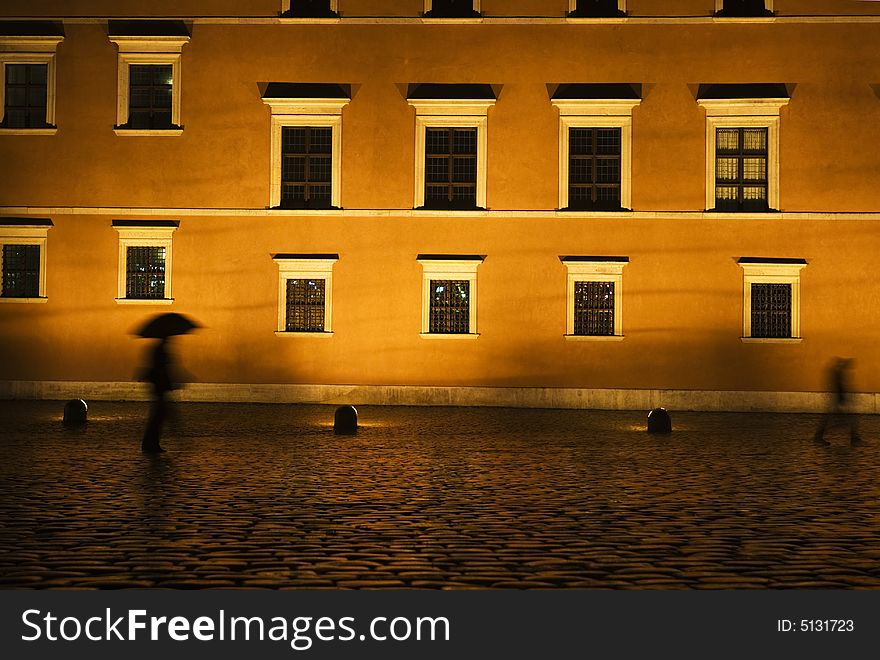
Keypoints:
(145, 272)
(450, 307)
(771, 310)
(594, 308)
(594, 168)
(26, 96)
(149, 98)
(305, 305)
(451, 167)
(21, 271)
(741, 169)
(306, 166)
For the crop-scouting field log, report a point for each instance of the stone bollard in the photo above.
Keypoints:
(345, 421)
(75, 412)
(659, 421)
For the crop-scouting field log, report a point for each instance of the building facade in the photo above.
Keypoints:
(500, 202)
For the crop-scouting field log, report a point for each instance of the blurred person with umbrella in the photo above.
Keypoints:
(158, 371)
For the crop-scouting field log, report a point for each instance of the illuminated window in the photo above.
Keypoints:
(309, 8)
(742, 146)
(449, 295)
(148, 77)
(452, 8)
(305, 285)
(596, 8)
(771, 299)
(144, 262)
(305, 144)
(451, 144)
(23, 259)
(743, 8)
(27, 84)
(594, 297)
(595, 146)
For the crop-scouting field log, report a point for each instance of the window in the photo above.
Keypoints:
(309, 8)
(594, 296)
(449, 295)
(452, 8)
(596, 8)
(743, 8)
(27, 84)
(742, 147)
(771, 299)
(23, 260)
(144, 262)
(451, 145)
(148, 81)
(595, 147)
(306, 145)
(305, 284)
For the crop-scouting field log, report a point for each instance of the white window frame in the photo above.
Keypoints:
(30, 50)
(26, 235)
(772, 273)
(449, 268)
(451, 113)
(318, 112)
(621, 6)
(147, 50)
(597, 113)
(744, 113)
(301, 267)
(285, 6)
(144, 236)
(429, 5)
(768, 5)
(594, 270)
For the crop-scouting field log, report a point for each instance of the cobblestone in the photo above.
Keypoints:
(437, 498)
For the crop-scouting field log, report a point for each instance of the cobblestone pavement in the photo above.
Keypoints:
(267, 496)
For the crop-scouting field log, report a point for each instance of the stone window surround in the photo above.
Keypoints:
(744, 113)
(772, 271)
(596, 113)
(26, 235)
(30, 50)
(594, 269)
(147, 50)
(451, 113)
(144, 235)
(305, 266)
(319, 112)
(449, 267)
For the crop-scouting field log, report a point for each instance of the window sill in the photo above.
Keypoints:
(29, 131)
(440, 335)
(593, 337)
(145, 301)
(287, 333)
(771, 340)
(23, 300)
(144, 132)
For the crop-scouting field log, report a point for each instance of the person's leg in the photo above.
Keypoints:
(153, 433)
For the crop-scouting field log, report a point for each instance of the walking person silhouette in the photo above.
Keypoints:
(159, 372)
(839, 412)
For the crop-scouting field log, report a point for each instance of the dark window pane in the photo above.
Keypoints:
(451, 160)
(293, 140)
(449, 307)
(452, 8)
(16, 97)
(150, 96)
(437, 141)
(464, 169)
(306, 166)
(21, 271)
(771, 310)
(594, 308)
(594, 168)
(145, 272)
(597, 8)
(305, 305)
(744, 8)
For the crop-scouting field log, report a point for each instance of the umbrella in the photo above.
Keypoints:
(166, 325)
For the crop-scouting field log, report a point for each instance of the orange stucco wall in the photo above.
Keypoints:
(682, 289)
